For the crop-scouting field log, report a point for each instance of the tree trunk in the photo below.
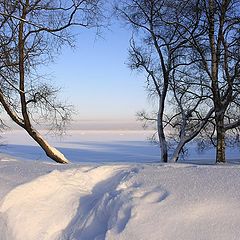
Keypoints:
(162, 139)
(50, 151)
(25, 123)
(220, 151)
(177, 151)
(163, 149)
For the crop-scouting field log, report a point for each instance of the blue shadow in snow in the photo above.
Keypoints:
(112, 152)
(95, 152)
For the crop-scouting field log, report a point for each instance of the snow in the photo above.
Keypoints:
(113, 201)
(121, 200)
(58, 154)
(101, 146)
(86, 146)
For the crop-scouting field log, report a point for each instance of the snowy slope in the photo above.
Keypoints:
(45, 201)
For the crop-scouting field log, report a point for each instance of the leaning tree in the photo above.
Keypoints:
(31, 33)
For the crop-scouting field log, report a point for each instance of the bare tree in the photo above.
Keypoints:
(218, 48)
(31, 34)
(160, 49)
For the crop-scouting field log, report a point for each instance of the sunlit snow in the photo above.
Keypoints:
(114, 189)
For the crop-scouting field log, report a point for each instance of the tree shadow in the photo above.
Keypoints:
(95, 152)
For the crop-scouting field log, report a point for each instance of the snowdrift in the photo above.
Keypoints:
(150, 201)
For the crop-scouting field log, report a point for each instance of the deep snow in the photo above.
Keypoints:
(147, 201)
(115, 193)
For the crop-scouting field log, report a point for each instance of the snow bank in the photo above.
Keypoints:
(43, 208)
(152, 202)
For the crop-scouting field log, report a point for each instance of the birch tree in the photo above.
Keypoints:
(160, 49)
(217, 49)
(32, 32)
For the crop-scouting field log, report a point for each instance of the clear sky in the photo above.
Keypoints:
(96, 79)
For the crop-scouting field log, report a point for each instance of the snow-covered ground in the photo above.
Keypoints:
(115, 200)
(86, 146)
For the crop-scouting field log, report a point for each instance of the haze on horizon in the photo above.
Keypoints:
(95, 79)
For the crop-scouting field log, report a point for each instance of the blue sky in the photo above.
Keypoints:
(96, 79)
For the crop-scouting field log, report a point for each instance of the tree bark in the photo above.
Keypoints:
(220, 151)
(219, 107)
(50, 151)
(161, 134)
(163, 147)
(177, 151)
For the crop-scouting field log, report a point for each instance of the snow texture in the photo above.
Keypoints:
(45, 201)
(110, 195)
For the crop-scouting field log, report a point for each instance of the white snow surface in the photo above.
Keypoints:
(44, 201)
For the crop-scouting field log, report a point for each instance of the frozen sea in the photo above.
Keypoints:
(83, 146)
